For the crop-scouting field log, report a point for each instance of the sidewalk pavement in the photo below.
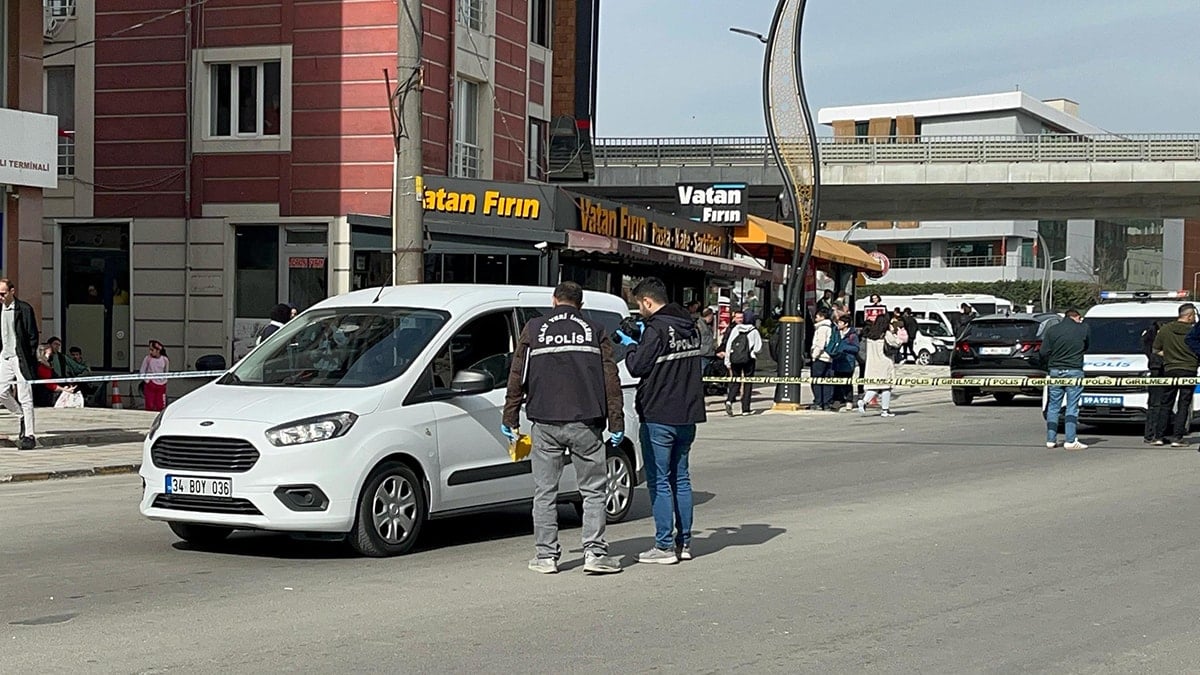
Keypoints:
(74, 442)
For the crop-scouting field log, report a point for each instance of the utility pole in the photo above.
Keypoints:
(408, 186)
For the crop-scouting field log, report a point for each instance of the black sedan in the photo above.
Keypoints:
(999, 345)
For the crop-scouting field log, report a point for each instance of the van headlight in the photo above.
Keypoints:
(155, 425)
(312, 429)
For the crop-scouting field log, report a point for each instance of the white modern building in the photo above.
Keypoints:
(1133, 254)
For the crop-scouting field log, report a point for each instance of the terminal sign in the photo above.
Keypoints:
(713, 203)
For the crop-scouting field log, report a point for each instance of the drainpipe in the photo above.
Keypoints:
(190, 91)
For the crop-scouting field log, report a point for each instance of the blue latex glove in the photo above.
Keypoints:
(625, 339)
(617, 437)
(508, 433)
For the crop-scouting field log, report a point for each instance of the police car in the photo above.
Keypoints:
(1115, 328)
(364, 417)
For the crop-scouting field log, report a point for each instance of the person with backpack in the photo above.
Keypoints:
(882, 344)
(742, 345)
(826, 348)
(845, 363)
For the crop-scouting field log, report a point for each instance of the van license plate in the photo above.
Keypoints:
(202, 487)
(1106, 401)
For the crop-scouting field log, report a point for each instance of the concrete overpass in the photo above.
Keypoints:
(932, 177)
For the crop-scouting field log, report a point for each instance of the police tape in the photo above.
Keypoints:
(1010, 382)
(131, 377)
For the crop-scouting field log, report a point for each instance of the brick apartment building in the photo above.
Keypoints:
(216, 159)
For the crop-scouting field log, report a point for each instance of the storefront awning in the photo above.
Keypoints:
(721, 267)
(764, 239)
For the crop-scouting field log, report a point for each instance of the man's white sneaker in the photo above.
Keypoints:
(658, 556)
(1075, 445)
(684, 552)
(862, 409)
(544, 565)
(1051, 444)
(886, 413)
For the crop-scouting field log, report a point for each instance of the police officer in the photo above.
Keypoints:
(670, 403)
(564, 371)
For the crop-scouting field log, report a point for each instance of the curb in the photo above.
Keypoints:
(99, 437)
(106, 470)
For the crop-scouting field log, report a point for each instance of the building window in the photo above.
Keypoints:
(466, 130)
(60, 9)
(245, 99)
(537, 148)
(60, 102)
(539, 22)
(470, 14)
(1055, 234)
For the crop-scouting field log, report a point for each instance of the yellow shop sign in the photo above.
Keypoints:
(492, 203)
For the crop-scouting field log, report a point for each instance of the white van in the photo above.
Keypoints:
(944, 308)
(363, 417)
(1115, 350)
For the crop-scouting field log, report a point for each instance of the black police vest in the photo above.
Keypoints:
(564, 371)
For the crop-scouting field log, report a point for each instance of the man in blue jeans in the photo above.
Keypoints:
(1063, 347)
(670, 402)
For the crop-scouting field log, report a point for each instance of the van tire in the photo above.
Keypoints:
(621, 477)
(392, 499)
(924, 357)
(961, 396)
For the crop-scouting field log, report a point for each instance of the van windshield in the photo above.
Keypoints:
(340, 347)
(1117, 335)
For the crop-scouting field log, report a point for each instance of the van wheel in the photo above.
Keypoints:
(619, 499)
(1003, 398)
(201, 536)
(961, 396)
(923, 357)
(391, 512)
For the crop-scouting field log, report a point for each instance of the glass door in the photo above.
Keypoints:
(276, 264)
(95, 296)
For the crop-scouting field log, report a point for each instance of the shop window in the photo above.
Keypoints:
(256, 276)
(524, 270)
(433, 268)
(539, 22)
(458, 268)
(491, 269)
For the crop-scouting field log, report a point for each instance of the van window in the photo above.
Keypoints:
(611, 321)
(485, 344)
(1117, 335)
(339, 347)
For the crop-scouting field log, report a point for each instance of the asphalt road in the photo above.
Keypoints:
(943, 540)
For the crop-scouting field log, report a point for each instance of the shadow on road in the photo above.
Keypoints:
(495, 525)
(705, 542)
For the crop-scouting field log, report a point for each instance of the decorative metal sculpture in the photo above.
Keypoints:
(793, 140)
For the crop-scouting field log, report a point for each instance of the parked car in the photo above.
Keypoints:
(999, 345)
(933, 344)
(362, 418)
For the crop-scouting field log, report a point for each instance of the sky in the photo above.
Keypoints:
(672, 68)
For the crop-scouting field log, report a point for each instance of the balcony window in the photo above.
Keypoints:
(539, 22)
(245, 99)
(467, 153)
(470, 14)
(60, 9)
(60, 102)
(537, 148)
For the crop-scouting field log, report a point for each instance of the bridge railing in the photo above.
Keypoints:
(754, 151)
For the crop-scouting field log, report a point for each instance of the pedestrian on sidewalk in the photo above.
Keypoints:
(882, 344)
(910, 333)
(741, 355)
(845, 363)
(1063, 347)
(825, 340)
(155, 363)
(563, 370)
(670, 403)
(18, 360)
(280, 314)
(46, 395)
(1179, 360)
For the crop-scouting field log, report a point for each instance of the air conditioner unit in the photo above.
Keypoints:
(52, 24)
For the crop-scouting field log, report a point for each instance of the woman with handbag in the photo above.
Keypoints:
(882, 345)
(51, 394)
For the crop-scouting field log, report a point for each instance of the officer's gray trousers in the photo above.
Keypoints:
(585, 442)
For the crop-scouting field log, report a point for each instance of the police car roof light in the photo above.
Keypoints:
(1143, 296)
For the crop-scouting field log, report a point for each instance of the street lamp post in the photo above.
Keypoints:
(787, 116)
(1050, 274)
(853, 226)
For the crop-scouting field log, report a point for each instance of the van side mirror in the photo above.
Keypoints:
(472, 382)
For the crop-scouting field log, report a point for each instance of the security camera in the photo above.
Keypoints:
(542, 246)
